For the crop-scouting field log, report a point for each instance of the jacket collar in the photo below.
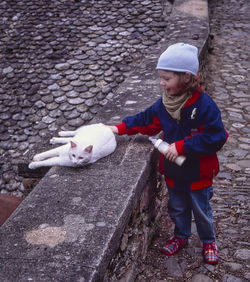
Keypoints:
(193, 98)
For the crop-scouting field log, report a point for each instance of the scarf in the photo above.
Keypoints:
(174, 103)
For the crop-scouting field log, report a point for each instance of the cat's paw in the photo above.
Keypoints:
(32, 165)
(61, 133)
(37, 158)
(53, 140)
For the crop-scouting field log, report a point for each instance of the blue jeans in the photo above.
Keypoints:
(180, 207)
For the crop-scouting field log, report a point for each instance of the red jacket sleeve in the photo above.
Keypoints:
(179, 145)
(150, 130)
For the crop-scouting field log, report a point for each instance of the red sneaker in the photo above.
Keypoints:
(210, 253)
(174, 245)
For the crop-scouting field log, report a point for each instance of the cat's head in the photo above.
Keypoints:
(78, 155)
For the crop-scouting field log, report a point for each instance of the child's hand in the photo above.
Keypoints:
(171, 153)
(113, 128)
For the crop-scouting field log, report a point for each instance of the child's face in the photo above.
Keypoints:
(169, 81)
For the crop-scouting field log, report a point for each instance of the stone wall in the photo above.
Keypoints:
(143, 224)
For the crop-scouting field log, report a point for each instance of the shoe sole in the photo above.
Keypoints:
(211, 262)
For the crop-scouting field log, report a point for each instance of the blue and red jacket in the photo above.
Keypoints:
(198, 135)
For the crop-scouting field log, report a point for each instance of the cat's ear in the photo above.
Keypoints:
(89, 149)
(72, 144)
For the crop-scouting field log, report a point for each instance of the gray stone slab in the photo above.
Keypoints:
(70, 225)
(44, 269)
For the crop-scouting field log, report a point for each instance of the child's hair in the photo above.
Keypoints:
(192, 85)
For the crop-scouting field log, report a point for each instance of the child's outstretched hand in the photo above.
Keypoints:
(113, 128)
(171, 153)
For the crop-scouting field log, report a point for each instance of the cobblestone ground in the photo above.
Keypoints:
(60, 61)
(228, 84)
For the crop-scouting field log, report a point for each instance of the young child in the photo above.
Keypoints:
(191, 124)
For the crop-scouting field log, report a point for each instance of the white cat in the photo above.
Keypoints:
(83, 146)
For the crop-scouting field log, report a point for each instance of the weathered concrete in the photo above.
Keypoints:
(70, 225)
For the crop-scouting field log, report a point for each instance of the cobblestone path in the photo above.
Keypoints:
(228, 84)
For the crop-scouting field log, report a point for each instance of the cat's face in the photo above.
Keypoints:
(78, 155)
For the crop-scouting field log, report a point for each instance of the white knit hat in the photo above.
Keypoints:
(179, 57)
